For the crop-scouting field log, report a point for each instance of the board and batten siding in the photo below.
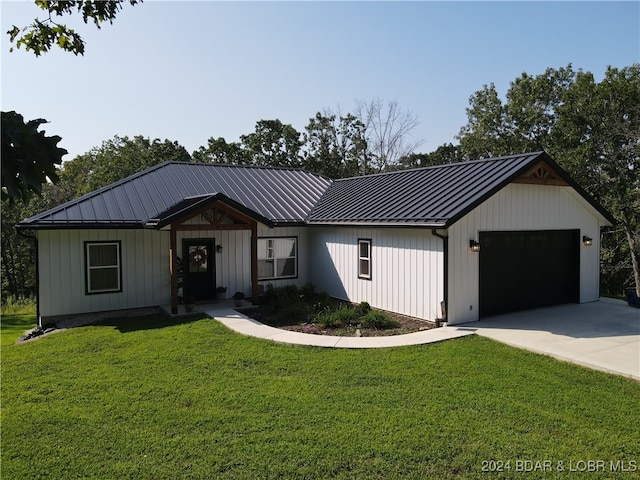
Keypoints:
(520, 207)
(406, 268)
(233, 264)
(146, 279)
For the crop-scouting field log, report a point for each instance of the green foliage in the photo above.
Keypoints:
(84, 403)
(444, 154)
(342, 317)
(362, 308)
(378, 320)
(273, 144)
(41, 35)
(219, 151)
(116, 159)
(29, 157)
(335, 146)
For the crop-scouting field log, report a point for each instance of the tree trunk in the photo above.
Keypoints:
(635, 261)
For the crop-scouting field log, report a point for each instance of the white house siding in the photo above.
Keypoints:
(145, 271)
(406, 268)
(304, 254)
(520, 207)
(233, 264)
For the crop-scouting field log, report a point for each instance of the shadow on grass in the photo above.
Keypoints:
(19, 320)
(147, 322)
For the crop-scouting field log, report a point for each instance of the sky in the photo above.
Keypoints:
(189, 71)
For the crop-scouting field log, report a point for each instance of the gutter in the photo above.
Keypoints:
(37, 285)
(445, 249)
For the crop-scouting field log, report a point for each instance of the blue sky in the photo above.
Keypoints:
(187, 71)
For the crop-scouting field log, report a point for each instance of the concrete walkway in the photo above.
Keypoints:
(603, 335)
(248, 326)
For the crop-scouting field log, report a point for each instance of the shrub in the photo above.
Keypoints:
(378, 320)
(362, 309)
(280, 298)
(342, 317)
(308, 292)
(291, 313)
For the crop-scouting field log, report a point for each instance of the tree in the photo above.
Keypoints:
(219, 151)
(335, 146)
(116, 159)
(388, 129)
(592, 129)
(600, 123)
(41, 35)
(29, 157)
(447, 153)
(273, 144)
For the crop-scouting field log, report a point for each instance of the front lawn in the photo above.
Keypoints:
(148, 398)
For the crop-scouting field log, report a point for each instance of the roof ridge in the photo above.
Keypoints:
(256, 167)
(444, 165)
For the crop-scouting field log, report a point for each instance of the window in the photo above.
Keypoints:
(277, 258)
(364, 259)
(102, 260)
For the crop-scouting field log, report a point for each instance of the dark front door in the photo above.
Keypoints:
(199, 275)
(529, 269)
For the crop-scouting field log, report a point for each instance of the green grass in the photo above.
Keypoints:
(15, 319)
(150, 399)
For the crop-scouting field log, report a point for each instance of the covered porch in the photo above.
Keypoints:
(213, 246)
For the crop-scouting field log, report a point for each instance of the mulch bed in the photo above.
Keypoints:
(407, 325)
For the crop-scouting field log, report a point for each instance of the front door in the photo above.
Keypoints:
(200, 268)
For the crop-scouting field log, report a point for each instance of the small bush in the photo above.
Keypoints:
(279, 298)
(378, 320)
(362, 309)
(345, 315)
(292, 313)
(308, 292)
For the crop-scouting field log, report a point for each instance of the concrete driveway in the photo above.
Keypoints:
(604, 335)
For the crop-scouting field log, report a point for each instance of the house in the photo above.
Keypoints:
(465, 240)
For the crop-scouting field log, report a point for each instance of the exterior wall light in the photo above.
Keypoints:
(588, 241)
(219, 248)
(474, 246)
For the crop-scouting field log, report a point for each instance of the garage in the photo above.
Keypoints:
(520, 270)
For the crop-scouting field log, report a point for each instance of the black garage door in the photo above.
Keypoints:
(521, 270)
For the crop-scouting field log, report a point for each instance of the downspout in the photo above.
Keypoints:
(445, 250)
(37, 285)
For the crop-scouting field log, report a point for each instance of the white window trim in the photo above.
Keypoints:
(367, 241)
(271, 249)
(89, 268)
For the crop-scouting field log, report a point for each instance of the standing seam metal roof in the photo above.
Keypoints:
(433, 196)
(283, 196)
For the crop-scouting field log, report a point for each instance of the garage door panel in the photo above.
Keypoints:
(522, 270)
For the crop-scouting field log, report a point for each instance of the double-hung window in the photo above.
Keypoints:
(277, 258)
(103, 267)
(364, 258)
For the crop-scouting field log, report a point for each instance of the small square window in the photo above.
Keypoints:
(103, 267)
(364, 259)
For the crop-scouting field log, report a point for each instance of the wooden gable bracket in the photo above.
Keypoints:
(215, 215)
(541, 174)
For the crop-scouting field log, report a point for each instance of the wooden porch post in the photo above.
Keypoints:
(254, 262)
(173, 266)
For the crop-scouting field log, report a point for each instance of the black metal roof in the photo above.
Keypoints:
(433, 196)
(274, 195)
(430, 197)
